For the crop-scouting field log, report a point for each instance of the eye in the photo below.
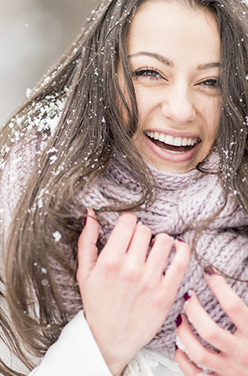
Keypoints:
(211, 83)
(147, 73)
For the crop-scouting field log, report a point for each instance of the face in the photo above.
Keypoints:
(174, 56)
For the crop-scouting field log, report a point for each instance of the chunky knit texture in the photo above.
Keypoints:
(183, 202)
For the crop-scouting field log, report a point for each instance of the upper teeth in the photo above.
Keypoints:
(170, 140)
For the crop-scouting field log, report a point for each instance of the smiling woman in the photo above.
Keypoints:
(124, 198)
(175, 67)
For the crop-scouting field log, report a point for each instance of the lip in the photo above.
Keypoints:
(170, 157)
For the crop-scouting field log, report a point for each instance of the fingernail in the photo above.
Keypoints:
(86, 216)
(180, 240)
(209, 271)
(176, 347)
(179, 320)
(187, 295)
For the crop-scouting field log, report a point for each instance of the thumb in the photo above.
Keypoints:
(87, 249)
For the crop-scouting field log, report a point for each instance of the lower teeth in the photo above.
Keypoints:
(175, 152)
(187, 148)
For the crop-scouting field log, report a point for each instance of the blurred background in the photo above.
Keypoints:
(33, 35)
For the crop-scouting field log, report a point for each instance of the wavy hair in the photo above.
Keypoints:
(83, 92)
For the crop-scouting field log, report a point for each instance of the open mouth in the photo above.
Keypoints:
(174, 145)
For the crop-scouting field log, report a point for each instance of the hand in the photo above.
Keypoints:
(126, 296)
(233, 357)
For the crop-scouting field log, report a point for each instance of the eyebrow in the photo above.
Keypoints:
(170, 63)
(161, 58)
(208, 66)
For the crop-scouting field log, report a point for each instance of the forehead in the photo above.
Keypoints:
(175, 31)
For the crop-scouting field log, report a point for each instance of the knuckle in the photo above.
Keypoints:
(209, 334)
(145, 284)
(201, 358)
(131, 273)
(181, 265)
(111, 266)
(160, 302)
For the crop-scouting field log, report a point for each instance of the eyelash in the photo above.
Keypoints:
(144, 72)
(210, 83)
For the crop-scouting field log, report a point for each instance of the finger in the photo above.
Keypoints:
(203, 357)
(87, 249)
(207, 328)
(139, 245)
(187, 367)
(160, 252)
(178, 267)
(231, 303)
(121, 236)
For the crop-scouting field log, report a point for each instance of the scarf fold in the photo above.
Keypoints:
(183, 202)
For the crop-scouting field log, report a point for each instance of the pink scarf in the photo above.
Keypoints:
(183, 201)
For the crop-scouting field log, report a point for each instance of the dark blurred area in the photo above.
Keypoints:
(33, 35)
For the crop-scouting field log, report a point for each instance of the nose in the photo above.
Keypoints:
(178, 105)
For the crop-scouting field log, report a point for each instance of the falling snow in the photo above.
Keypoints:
(57, 236)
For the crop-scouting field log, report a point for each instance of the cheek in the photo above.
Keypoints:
(146, 103)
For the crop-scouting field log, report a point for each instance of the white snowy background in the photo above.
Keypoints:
(33, 35)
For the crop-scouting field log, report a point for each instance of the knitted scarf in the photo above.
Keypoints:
(183, 202)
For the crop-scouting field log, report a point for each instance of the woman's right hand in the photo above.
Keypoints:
(126, 296)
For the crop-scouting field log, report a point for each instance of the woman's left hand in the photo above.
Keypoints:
(233, 357)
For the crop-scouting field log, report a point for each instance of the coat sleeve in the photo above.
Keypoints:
(75, 353)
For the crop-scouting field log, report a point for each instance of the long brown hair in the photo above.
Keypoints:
(83, 91)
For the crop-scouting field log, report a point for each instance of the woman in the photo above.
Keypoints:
(146, 113)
